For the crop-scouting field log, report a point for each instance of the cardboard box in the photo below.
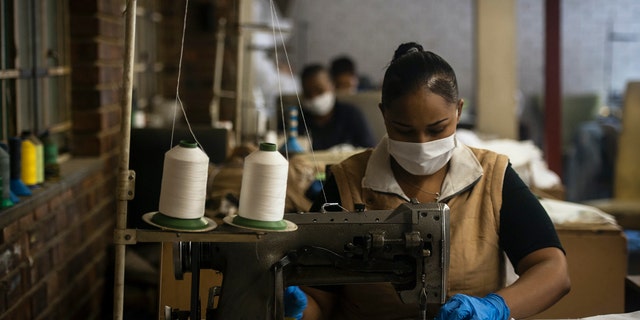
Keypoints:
(597, 258)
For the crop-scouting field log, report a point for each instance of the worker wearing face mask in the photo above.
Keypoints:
(330, 122)
(492, 211)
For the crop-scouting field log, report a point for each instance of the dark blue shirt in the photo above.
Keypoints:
(346, 126)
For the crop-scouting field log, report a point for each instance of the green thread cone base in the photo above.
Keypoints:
(166, 222)
(175, 223)
(257, 224)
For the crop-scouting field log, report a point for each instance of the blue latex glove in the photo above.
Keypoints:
(463, 307)
(295, 301)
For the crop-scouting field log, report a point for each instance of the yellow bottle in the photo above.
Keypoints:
(29, 172)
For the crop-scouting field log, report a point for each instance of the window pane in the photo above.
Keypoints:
(54, 49)
(24, 35)
(56, 106)
(147, 86)
(24, 104)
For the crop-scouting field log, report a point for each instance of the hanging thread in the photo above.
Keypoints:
(178, 101)
(184, 182)
(183, 189)
(264, 188)
(276, 26)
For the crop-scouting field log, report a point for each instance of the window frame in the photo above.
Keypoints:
(35, 71)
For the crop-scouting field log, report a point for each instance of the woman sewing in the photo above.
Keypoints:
(492, 210)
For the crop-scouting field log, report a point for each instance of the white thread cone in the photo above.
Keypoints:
(264, 185)
(184, 182)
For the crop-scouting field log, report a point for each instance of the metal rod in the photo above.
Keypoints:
(552, 87)
(239, 88)
(240, 85)
(165, 236)
(123, 170)
(217, 71)
(195, 280)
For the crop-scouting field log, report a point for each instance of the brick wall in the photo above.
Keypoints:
(97, 34)
(55, 257)
(56, 260)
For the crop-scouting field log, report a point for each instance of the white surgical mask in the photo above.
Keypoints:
(320, 105)
(422, 158)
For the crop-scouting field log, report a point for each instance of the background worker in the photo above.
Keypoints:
(330, 122)
(345, 77)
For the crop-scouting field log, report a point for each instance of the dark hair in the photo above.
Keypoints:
(411, 68)
(311, 70)
(341, 65)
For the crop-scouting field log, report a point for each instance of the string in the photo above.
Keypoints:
(185, 172)
(276, 22)
(275, 50)
(178, 101)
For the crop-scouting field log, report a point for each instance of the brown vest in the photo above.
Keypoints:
(476, 261)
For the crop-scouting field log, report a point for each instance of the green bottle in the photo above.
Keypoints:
(51, 166)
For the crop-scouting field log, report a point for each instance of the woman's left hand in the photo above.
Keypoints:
(462, 307)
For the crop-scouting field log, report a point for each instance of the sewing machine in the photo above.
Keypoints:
(408, 247)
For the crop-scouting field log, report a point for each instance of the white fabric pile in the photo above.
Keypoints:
(526, 158)
(569, 213)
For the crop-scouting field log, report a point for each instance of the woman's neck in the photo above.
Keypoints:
(425, 188)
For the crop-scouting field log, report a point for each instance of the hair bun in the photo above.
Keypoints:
(406, 48)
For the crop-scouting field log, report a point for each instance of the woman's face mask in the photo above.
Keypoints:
(320, 105)
(424, 158)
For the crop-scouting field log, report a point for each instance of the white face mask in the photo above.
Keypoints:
(320, 105)
(422, 158)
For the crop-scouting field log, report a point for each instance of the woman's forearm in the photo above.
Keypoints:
(544, 279)
(320, 304)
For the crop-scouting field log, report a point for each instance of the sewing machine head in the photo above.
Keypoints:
(407, 247)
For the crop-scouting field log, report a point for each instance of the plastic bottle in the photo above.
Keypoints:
(30, 168)
(51, 166)
(292, 145)
(5, 178)
(15, 152)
